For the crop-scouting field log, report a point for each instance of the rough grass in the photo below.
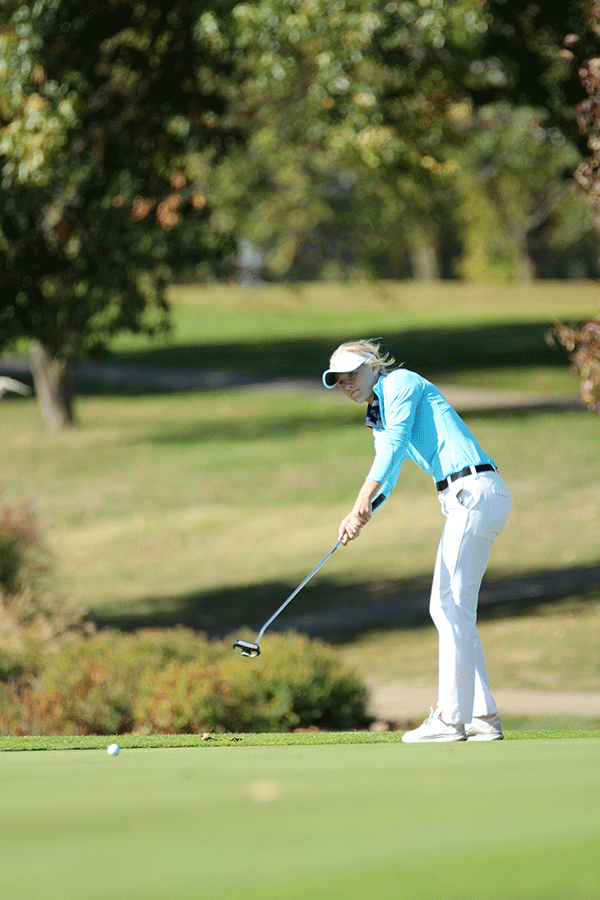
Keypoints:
(207, 508)
(546, 647)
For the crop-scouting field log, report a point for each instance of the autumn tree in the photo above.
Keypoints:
(138, 141)
(582, 342)
(104, 107)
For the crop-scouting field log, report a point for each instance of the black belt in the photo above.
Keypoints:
(483, 467)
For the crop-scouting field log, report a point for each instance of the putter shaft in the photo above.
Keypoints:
(296, 591)
(245, 646)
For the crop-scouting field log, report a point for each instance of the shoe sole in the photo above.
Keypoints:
(442, 739)
(485, 737)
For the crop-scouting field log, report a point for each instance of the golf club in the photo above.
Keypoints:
(247, 648)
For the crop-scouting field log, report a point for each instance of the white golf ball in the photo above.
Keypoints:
(113, 749)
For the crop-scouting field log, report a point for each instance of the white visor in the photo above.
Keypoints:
(346, 361)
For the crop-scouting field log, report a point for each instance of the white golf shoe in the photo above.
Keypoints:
(435, 729)
(484, 729)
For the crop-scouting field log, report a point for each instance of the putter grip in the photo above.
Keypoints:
(377, 501)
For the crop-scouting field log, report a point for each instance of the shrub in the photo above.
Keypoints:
(31, 615)
(298, 684)
(23, 558)
(90, 686)
(175, 681)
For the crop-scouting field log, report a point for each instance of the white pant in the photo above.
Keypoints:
(476, 509)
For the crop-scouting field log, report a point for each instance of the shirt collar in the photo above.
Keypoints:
(373, 419)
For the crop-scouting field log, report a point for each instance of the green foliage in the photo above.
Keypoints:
(372, 125)
(511, 187)
(99, 102)
(297, 685)
(138, 142)
(175, 681)
(528, 60)
(349, 106)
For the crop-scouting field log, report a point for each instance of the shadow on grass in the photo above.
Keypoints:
(341, 612)
(218, 611)
(434, 352)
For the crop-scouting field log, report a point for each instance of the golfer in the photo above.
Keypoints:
(411, 419)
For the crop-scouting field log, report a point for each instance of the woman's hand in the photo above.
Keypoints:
(351, 526)
(361, 512)
(349, 529)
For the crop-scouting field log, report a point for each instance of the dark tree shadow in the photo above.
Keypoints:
(436, 353)
(342, 612)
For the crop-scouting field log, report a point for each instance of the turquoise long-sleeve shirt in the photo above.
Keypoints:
(419, 424)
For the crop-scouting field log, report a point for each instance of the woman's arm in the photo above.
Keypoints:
(402, 392)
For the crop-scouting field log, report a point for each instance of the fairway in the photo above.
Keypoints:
(517, 819)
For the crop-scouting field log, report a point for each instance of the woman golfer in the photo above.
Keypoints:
(411, 419)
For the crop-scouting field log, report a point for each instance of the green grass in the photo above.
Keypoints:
(477, 335)
(226, 314)
(515, 819)
(528, 729)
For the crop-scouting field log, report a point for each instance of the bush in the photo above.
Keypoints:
(297, 684)
(23, 558)
(175, 681)
(31, 615)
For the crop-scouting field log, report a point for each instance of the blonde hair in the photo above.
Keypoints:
(371, 350)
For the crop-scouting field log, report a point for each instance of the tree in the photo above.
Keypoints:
(364, 129)
(120, 151)
(138, 142)
(511, 188)
(105, 106)
(501, 128)
(524, 56)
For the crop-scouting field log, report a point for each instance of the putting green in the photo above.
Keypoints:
(516, 819)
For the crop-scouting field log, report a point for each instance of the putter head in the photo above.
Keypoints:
(247, 648)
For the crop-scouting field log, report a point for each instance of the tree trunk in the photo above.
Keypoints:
(51, 379)
(424, 262)
(525, 269)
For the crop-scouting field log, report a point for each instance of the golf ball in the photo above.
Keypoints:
(113, 749)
